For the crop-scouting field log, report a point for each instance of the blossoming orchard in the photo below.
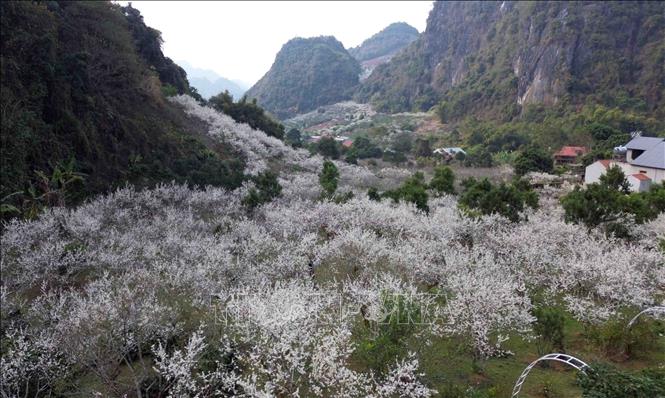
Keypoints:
(178, 291)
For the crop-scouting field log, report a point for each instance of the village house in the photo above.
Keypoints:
(644, 164)
(448, 153)
(569, 155)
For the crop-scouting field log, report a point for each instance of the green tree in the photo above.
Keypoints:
(327, 146)
(364, 148)
(351, 157)
(604, 203)
(266, 188)
(508, 200)
(549, 327)
(328, 178)
(294, 138)
(533, 159)
(373, 194)
(614, 178)
(413, 190)
(443, 180)
(247, 112)
(602, 132)
(478, 156)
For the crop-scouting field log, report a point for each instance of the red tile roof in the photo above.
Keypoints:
(605, 163)
(347, 143)
(571, 151)
(641, 177)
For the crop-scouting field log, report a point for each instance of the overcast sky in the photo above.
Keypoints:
(239, 40)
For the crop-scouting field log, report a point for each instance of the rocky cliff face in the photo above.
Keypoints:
(389, 41)
(381, 47)
(500, 56)
(307, 73)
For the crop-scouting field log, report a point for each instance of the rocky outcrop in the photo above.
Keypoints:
(497, 55)
(381, 47)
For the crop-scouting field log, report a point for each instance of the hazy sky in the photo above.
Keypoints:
(239, 40)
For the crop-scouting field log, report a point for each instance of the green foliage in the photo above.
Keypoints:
(148, 43)
(328, 147)
(533, 159)
(413, 190)
(363, 148)
(306, 74)
(615, 179)
(478, 156)
(605, 202)
(76, 83)
(508, 200)
(485, 84)
(247, 112)
(373, 194)
(328, 178)
(549, 327)
(605, 381)
(266, 189)
(294, 138)
(169, 90)
(616, 340)
(351, 158)
(443, 180)
(381, 343)
(601, 132)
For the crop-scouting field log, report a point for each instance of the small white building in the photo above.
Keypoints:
(639, 182)
(644, 165)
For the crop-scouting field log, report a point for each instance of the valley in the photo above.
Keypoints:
(425, 214)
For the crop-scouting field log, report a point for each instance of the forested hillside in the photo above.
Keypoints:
(84, 110)
(494, 59)
(307, 73)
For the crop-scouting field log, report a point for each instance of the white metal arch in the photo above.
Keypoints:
(567, 359)
(650, 311)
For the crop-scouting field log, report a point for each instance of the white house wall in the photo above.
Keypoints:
(593, 172)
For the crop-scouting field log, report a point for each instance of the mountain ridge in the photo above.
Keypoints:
(210, 83)
(497, 57)
(306, 73)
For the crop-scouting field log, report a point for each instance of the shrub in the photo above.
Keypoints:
(413, 190)
(443, 180)
(327, 146)
(363, 148)
(266, 189)
(508, 200)
(383, 341)
(605, 381)
(294, 138)
(328, 178)
(532, 159)
(247, 112)
(604, 203)
(549, 326)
